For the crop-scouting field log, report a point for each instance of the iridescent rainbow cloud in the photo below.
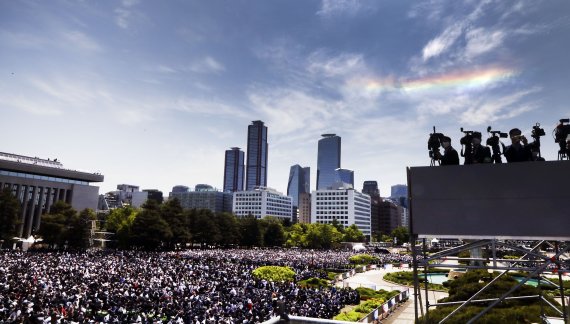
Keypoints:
(456, 79)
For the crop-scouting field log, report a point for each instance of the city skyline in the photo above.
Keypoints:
(152, 95)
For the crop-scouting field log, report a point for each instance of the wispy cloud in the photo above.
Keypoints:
(209, 107)
(207, 65)
(493, 109)
(80, 40)
(126, 13)
(326, 65)
(338, 7)
(443, 42)
(291, 110)
(481, 40)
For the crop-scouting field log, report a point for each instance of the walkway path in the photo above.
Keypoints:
(373, 279)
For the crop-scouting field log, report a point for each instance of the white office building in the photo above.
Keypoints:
(261, 202)
(348, 206)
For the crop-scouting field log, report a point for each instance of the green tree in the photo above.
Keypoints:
(401, 234)
(78, 229)
(337, 225)
(9, 220)
(353, 234)
(120, 222)
(203, 227)
(330, 235)
(173, 213)
(295, 235)
(229, 228)
(58, 225)
(274, 234)
(149, 231)
(251, 232)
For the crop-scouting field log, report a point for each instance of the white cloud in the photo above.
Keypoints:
(289, 110)
(81, 41)
(493, 109)
(130, 3)
(126, 13)
(209, 107)
(30, 105)
(443, 42)
(481, 40)
(165, 69)
(341, 65)
(336, 7)
(207, 65)
(122, 17)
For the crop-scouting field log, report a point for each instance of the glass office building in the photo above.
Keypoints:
(233, 170)
(344, 177)
(299, 182)
(370, 187)
(256, 155)
(328, 160)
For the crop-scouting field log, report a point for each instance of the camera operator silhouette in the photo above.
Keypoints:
(478, 153)
(450, 155)
(517, 152)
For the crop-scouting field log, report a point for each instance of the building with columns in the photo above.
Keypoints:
(39, 183)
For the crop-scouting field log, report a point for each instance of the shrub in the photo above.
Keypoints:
(367, 293)
(407, 278)
(314, 283)
(363, 259)
(351, 316)
(274, 273)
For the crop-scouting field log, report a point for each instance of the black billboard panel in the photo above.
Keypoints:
(519, 200)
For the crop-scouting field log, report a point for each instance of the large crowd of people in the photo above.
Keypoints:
(194, 286)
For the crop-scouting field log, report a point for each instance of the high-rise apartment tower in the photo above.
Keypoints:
(328, 160)
(233, 170)
(256, 155)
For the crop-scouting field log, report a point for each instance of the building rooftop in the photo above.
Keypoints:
(35, 165)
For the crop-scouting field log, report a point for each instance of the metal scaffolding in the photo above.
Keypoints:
(536, 263)
(97, 237)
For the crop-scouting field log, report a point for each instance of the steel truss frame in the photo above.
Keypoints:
(533, 261)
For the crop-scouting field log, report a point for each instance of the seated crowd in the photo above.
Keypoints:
(195, 286)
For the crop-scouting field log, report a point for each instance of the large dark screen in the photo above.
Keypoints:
(520, 200)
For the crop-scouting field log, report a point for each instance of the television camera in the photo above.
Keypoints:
(493, 141)
(536, 133)
(561, 133)
(467, 145)
(434, 143)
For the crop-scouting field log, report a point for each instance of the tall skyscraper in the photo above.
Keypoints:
(370, 188)
(344, 177)
(399, 190)
(328, 160)
(299, 182)
(233, 170)
(256, 155)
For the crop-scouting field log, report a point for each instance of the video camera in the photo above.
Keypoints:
(466, 140)
(493, 141)
(495, 137)
(536, 133)
(434, 143)
(561, 133)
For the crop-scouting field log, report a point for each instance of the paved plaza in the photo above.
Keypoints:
(373, 279)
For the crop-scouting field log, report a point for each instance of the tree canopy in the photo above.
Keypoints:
(9, 211)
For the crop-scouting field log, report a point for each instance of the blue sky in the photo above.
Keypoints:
(152, 93)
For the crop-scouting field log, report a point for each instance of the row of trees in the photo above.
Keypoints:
(170, 226)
